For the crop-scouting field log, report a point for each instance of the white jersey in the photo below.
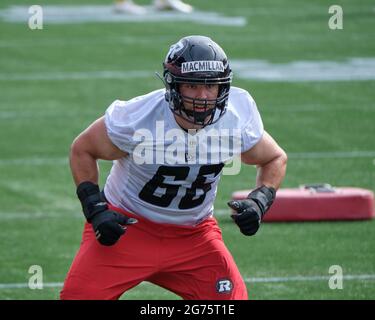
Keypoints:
(170, 175)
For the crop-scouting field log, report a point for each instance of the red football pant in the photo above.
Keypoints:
(192, 262)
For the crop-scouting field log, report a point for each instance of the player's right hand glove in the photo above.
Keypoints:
(107, 224)
(249, 212)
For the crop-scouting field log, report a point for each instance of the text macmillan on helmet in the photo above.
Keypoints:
(197, 60)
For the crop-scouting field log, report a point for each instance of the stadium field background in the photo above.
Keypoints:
(54, 82)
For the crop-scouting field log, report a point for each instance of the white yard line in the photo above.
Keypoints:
(69, 41)
(84, 75)
(356, 277)
(37, 161)
(331, 155)
(353, 69)
(40, 215)
(308, 278)
(61, 14)
(147, 40)
(26, 285)
(41, 161)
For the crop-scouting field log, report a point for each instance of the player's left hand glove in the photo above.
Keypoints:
(251, 211)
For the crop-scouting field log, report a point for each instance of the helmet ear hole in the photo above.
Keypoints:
(168, 78)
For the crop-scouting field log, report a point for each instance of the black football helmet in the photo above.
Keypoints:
(197, 60)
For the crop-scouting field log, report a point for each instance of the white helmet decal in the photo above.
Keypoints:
(174, 49)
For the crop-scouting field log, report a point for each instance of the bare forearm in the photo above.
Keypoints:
(272, 173)
(83, 165)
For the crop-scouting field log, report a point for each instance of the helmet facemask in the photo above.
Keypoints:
(203, 111)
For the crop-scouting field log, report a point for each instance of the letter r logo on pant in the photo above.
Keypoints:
(224, 286)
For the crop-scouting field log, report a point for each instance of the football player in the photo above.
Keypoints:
(154, 220)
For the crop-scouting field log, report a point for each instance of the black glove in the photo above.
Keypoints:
(107, 224)
(251, 211)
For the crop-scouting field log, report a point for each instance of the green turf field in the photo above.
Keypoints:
(50, 91)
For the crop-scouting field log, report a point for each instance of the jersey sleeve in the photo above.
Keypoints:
(119, 130)
(252, 126)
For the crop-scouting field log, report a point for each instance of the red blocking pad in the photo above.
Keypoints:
(306, 204)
